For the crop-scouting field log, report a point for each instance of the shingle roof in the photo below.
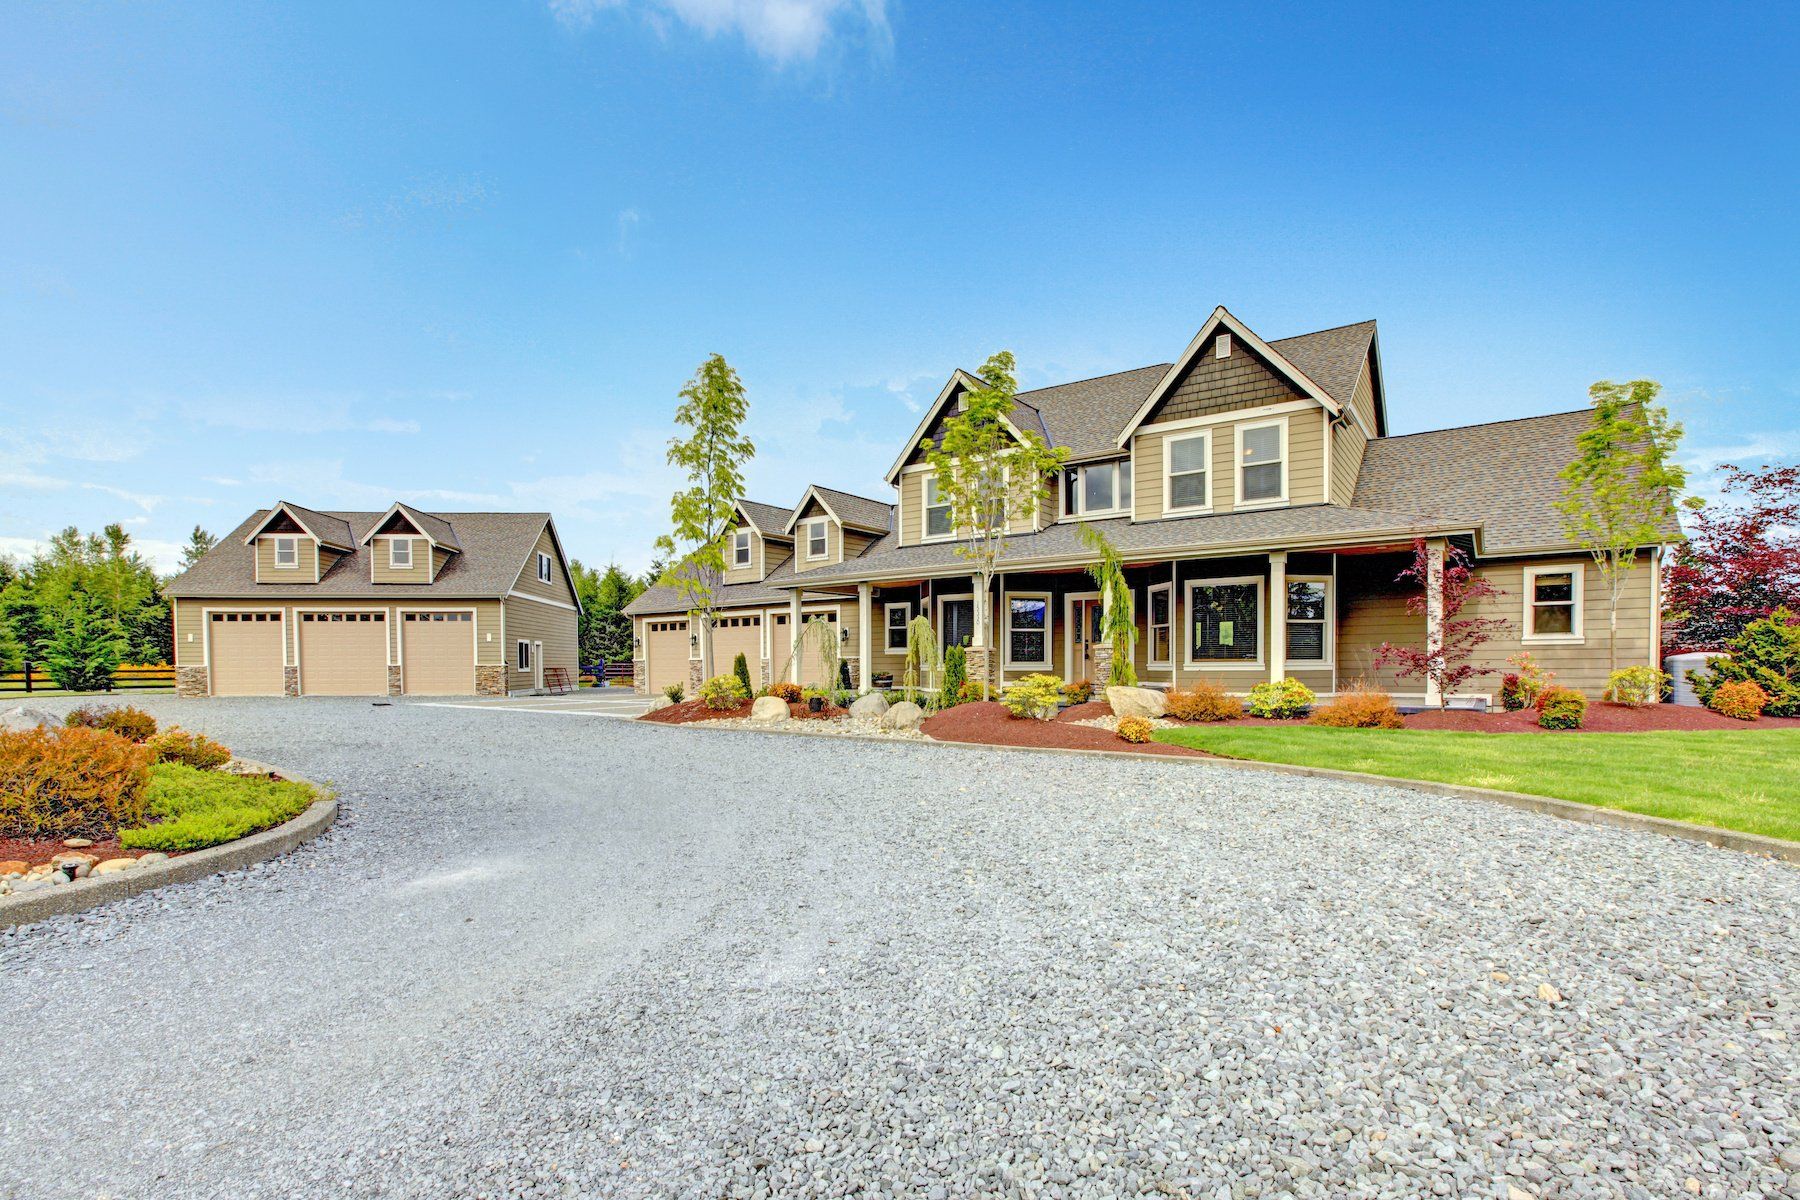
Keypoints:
(431, 525)
(1331, 358)
(1502, 476)
(494, 550)
(663, 598)
(855, 510)
(327, 527)
(769, 519)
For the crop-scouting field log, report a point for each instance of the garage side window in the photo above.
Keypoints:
(524, 656)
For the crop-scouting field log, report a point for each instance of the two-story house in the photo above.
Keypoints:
(1264, 509)
(404, 602)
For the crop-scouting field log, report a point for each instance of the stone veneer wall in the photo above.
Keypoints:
(191, 682)
(490, 681)
(640, 676)
(393, 681)
(290, 681)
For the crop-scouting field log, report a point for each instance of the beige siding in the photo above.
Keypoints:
(418, 573)
(186, 615)
(1363, 399)
(306, 559)
(527, 620)
(558, 587)
(912, 508)
(894, 663)
(439, 557)
(1347, 446)
(757, 568)
(329, 558)
(834, 540)
(1305, 463)
(855, 542)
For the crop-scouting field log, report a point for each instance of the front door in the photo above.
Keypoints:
(1087, 637)
(958, 617)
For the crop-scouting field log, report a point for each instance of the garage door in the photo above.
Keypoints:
(667, 645)
(437, 653)
(343, 654)
(781, 647)
(733, 636)
(244, 652)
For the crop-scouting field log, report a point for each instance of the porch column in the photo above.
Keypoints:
(1277, 615)
(865, 616)
(979, 656)
(1434, 614)
(793, 635)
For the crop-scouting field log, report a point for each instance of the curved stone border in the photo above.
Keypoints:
(81, 894)
(1568, 810)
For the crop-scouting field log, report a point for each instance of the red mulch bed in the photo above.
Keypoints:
(1601, 718)
(690, 711)
(42, 850)
(989, 724)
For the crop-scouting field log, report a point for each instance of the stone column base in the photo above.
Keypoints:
(191, 682)
(767, 669)
(640, 676)
(490, 681)
(290, 681)
(694, 680)
(393, 681)
(1103, 655)
(977, 659)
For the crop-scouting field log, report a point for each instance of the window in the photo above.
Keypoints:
(287, 552)
(1028, 631)
(937, 510)
(1224, 625)
(543, 568)
(815, 538)
(1553, 604)
(1262, 463)
(524, 656)
(1160, 626)
(740, 548)
(1184, 467)
(1100, 488)
(400, 554)
(897, 617)
(1308, 606)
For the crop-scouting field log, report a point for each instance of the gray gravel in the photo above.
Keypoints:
(550, 955)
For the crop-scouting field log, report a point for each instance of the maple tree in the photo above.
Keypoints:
(1449, 663)
(1741, 561)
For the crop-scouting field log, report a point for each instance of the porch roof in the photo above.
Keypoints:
(1318, 526)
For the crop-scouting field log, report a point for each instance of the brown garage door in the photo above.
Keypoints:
(437, 653)
(343, 654)
(737, 635)
(667, 644)
(244, 653)
(781, 649)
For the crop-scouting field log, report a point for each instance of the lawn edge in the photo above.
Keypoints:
(1568, 810)
(82, 894)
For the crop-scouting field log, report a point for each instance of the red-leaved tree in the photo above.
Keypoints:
(1741, 562)
(1449, 663)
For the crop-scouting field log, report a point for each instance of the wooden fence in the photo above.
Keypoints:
(142, 678)
(610, 675)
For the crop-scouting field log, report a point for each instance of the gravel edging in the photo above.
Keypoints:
(80, 894)
(1568, 810)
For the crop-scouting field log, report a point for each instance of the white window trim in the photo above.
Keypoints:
(1122, 465)
(1260, 662)
(526, 644)
(821, 525)
(544, 574)
(1168, 462)
(1150, 630)
(1577, 573)
(1006, 631)
(748, 549)
(925, 507)
(394, 563)
(1280, 424)
(293, 541)
(1071, 622)
(1329, 662)
(887, 627)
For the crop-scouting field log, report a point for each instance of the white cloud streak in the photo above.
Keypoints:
(781, 31)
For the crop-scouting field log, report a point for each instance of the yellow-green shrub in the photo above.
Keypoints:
(74, 782)
(1282, 701)
(1561, 708)
(1740, 698)
(1033, 696)
(1135, 729)
(722, 693)
(1635, 687)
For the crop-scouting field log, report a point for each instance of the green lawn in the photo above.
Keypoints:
(1747, 781)
(194, 809)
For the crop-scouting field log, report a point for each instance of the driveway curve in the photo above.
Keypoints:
(556, 955)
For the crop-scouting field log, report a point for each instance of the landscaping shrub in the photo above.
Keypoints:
(132, 724)
(1204, 702)
(722, 693)
(969, 692)
(1561, 708)
(1534, 679)
(1513, 695)
(740, 666)
(1360, 708)
(74, 782)
(1740, 698)
(674, 692)
(193, 809)
(956, 673)
(1767, 654)
(189, 749)
(1135, 729)
(1635, 687)
(1285, 700)
(1033, 696)
(1079, 692)
(789, 692)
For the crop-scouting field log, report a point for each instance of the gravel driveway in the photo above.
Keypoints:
(552, 955)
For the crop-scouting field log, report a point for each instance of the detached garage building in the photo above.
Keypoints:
(298, 602)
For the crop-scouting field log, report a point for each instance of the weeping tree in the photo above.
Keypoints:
(921, 651)
(1118, 623)
(822, 636)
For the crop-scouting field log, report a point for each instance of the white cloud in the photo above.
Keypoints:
(32, 480)
(781, 31)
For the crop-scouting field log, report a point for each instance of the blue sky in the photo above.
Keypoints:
(466, 254)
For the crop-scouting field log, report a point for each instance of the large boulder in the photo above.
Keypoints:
(871, 707)
(660, 703)
(16, 720)
(903, 716)
(1137, 702)
(769, 710)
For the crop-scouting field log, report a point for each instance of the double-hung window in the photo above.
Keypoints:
(1225, 621)
(740, 548)
(1308, 617)
(1160, 624)
(1028, 631)
(815, 538)
(400, 554)
(1097, 488)
(1553, 604)
(1262, 463)
(1185, 458)
(287, 552)
(937, 509)
(897, 617)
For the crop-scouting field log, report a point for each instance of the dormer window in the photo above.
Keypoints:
(740, 548)
(815, 539)
(400, 554)
(287, 552)
(1101, 488)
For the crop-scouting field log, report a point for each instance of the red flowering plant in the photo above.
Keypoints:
(1741, 561)
(1450, 662)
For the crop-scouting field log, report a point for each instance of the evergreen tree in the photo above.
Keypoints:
(84, 645)
(198, 543)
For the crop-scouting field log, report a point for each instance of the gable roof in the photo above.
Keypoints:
(769, 520)
(1333, 358)
(325, 528)
(857, 512)
(662, 598)
(494, 545)
(436, 530)
(1023, 417)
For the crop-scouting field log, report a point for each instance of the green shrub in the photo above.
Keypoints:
(189, 749)
(1079, 692)
(1135, 730)
(1283, 701)
(740, 666)
(192, 809)
(1635, 687)
(722, 693)
(1561, 708)
(956, 673)
(1033, 696)
(1740, 698)
(674, 692)
(1360, 708)
(1766, 653)
(75, 782)
(1204, 702)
